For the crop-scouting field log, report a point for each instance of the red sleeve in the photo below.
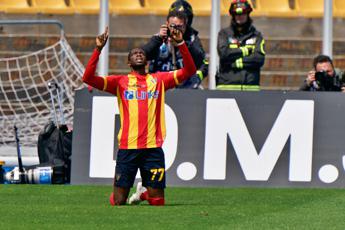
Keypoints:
(108, 83)
(89, 74)
(174, 78)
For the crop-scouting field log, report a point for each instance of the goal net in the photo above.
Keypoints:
(24, 94)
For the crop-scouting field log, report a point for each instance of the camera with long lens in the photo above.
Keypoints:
(38, 174)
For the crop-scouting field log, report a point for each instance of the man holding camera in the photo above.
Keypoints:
(324, 77)
(163, 56)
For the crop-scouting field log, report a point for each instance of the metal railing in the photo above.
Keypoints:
(35, 22)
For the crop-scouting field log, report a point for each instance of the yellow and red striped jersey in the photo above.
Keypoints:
(141, 100)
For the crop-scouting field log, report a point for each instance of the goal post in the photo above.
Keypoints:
(24, 94)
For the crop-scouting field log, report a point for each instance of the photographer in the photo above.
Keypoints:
(164, 57)
(324, 77)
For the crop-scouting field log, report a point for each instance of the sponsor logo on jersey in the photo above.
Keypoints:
(141, 95)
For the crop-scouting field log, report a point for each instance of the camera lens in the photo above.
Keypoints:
(320, 75)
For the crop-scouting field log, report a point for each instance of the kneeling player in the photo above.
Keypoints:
(141, 99)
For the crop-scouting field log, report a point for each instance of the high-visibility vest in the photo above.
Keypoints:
(239, 87)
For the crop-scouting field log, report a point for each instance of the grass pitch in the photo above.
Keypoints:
(86, 207)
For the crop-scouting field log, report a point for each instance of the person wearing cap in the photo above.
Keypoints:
(241, 51)
(162, 55)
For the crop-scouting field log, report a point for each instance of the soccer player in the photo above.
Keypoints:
(141, 103)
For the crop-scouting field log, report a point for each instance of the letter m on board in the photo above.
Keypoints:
(295, 121)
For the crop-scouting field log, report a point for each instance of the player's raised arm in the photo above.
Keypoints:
(89, 74)
(189, 68)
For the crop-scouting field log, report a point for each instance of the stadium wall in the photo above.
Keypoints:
(217, 138)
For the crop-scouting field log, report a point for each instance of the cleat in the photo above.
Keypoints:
(135, 198)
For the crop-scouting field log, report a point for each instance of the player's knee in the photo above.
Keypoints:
(156, 201)
(121, 202)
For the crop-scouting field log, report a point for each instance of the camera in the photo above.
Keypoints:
(36, 174)
(320, 76)
(323, 80)
(173, 26)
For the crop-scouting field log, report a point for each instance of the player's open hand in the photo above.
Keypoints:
(101, 40)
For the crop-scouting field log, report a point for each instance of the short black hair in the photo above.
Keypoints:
(178, 14)
(322, 59)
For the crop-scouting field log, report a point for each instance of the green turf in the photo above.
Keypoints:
(86, 207)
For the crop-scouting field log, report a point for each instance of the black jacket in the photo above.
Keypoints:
(235, 66)
(159, 53)
(335, 83)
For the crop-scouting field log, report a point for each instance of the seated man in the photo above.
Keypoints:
(324, 77)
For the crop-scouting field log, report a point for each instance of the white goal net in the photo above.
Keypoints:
(24, 94)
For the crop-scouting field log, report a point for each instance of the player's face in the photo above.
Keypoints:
(180, 23)
(137, 57)
(241, 18)
(325, 67)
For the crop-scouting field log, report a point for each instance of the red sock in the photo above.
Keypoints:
(144, 196)
(156, 201)
(112, 199)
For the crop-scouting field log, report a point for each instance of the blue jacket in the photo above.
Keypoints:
(159, 53)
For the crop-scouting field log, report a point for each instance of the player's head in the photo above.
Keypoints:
(184, 6)
(178, 19)
(240, 11)
(137, 58)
